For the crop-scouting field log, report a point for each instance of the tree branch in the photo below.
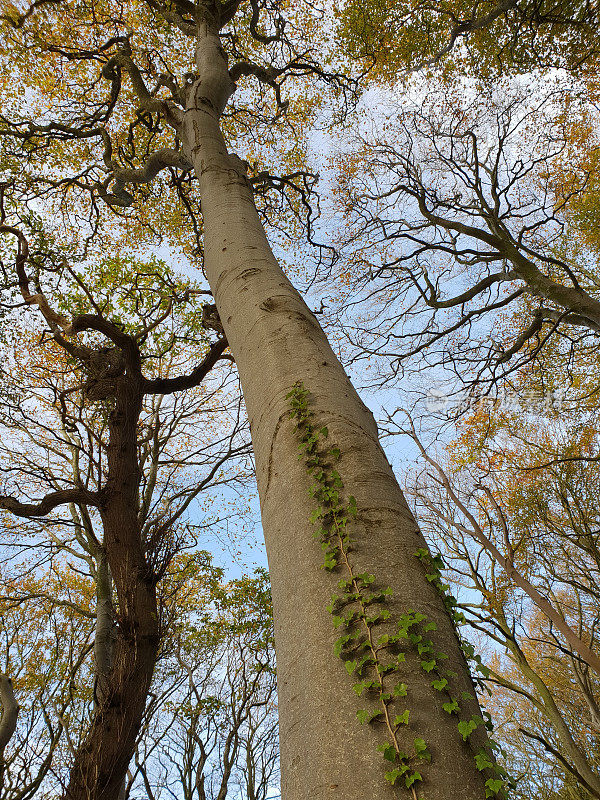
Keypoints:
(49, 502)
(178, 384)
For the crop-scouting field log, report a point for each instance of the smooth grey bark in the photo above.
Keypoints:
(276, 341)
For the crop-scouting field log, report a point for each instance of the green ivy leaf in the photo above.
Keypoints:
(412, 778)
(366, 716)
(350, 666)
(393, 775)
(339, 645)
(428, 665)
(466, 728)
(352, 508)
(402, 719)
(493, 786)
(389, 753)
(449, 708)
(440, 684)
(360, 687)
(400, 690)
(314, 515)
(482, 760)
(420, 745)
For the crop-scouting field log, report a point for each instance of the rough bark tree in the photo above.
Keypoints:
(277, 342)
(136, 543)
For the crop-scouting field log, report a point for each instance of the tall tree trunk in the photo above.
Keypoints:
(276, 341)
(101, 762)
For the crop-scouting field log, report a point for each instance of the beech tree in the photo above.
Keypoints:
(115, 99)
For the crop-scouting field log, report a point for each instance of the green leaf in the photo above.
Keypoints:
(402, 719)
(339, 645)
(420, 745)
(366, 578)
(366, 716)
(350, 666)
(393, 775)
(400, 690)
(324, 432)
(440, 685)
(352, 508)
(389, 753)
(360, 687)
(428, 665)
(412, 778)
(493, 786)
(449, 708)
(315, 514)
(482, 760)
(466, 728)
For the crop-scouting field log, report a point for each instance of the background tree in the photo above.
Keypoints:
(512, 35)
(216, 735)
(117, 467)
(47, 642)
(512, 504)
(472, 249)
(465, 212)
